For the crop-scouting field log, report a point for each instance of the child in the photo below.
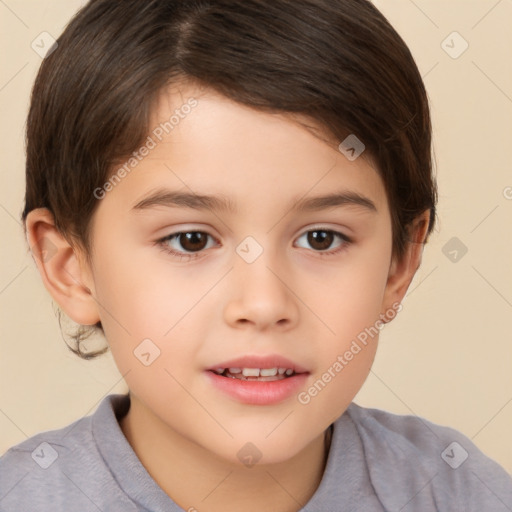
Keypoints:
(291, 142)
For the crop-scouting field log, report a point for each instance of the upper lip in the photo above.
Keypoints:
(255, 361)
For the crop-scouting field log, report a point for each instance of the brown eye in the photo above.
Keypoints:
(186, 243)
(320, 240)
(193, 240)
(323, 241)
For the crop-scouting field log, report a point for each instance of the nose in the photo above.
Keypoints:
(261, 296)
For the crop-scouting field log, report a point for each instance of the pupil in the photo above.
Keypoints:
(324, 237)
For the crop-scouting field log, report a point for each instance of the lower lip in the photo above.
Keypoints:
(256, 392)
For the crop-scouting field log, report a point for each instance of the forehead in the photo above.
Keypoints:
(205, 143)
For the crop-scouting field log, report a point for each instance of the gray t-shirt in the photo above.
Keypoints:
(378, 461)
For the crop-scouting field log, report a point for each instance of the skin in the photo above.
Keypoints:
(291, 300)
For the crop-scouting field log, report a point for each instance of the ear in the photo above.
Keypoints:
(65, 275)
(401, 272)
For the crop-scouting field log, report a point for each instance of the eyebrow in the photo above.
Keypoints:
(170, 198)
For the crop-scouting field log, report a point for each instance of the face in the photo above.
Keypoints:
(262, 276)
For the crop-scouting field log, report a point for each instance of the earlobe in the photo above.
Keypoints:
(401, 272)
(66, 278)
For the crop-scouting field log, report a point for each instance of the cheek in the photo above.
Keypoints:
(351, 298)
(349, 307)
(137, 290)
(146, 307)
(345, 355)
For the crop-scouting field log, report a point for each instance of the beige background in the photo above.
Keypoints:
(448, 355)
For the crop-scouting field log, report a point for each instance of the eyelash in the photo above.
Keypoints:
(163, 243)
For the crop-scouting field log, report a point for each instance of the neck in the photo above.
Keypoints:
(195, 478)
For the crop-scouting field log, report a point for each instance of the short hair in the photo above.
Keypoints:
(337, 62)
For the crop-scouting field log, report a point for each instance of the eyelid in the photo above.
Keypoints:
(340, 230)
(325, 227)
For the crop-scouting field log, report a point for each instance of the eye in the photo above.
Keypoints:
(322, 239)
(191, 241)
(190, 244)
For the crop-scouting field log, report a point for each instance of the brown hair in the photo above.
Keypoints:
(337, 62)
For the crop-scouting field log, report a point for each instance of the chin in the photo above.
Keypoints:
(252, 449)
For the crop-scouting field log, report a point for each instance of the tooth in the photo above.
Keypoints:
(268, 372)
(235, 370)
(289, 371)
(271, 379)
(281, 371)
(251, 372)
(219, 370)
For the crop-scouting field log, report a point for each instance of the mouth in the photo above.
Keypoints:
(256, 374)
(258, 380)
(266, 368)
